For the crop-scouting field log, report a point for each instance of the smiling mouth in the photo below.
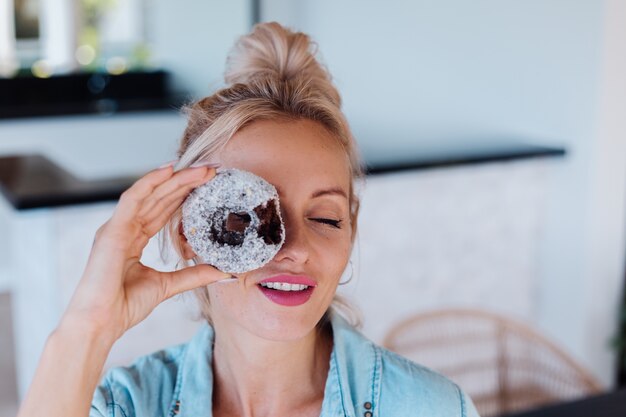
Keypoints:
(283, 286)
(287, 290)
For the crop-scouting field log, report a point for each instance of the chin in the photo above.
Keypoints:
(262, 318)
(285, 325)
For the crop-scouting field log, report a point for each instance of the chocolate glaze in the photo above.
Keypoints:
(269, 229)
(230, 228)
(221, 233)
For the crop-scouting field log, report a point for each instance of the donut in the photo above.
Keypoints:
(233, 221)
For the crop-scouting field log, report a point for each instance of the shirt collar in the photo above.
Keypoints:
(194, 387)
(356, 363)
(353, 381)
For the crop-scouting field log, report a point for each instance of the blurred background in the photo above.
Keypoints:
(495, 138)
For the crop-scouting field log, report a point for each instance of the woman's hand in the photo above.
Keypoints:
(116, 290)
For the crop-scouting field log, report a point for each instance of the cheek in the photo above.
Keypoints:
(229, 295)
(215, 297)
(335, 256)
(223, 296)
(233, 304)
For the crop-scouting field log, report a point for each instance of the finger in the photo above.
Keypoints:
(120, 236)
(162, 217)
(125, 230)
(189, 278)
(165, 208)
(131, 199)
(183, 181)
(181, 178)
(173, 199)
(143, 229)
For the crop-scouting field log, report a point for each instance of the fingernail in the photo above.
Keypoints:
(168, 164)
(205, 164)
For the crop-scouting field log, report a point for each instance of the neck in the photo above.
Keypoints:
(256, 377)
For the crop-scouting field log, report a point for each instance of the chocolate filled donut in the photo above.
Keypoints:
(233, 222)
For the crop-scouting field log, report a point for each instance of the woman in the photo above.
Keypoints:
(279, 118)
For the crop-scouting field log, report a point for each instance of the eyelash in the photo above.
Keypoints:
(330, 222)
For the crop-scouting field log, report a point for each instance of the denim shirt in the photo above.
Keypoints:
(364, 380)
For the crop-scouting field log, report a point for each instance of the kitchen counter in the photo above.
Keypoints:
(34, 181)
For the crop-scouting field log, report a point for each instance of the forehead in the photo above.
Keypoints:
(289, 154)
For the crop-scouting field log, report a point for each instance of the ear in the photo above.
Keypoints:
(188, 252)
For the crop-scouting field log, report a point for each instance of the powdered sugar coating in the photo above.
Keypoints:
(230, 191)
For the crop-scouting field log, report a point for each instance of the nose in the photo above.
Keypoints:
(296, 246)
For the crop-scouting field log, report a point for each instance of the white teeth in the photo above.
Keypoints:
(283, 286)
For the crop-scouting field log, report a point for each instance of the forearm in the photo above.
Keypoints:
(68, 373)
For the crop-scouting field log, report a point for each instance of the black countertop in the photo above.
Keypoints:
(612, 404)
(441, 154)
(34, 181)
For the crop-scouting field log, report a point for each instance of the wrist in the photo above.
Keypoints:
(69, 369)
(82, 329)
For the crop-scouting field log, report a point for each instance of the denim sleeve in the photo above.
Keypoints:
(468, 408)
(103, 403)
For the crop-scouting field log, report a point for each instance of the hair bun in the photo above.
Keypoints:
(272, 52)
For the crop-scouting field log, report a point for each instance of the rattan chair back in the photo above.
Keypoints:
(504, 365)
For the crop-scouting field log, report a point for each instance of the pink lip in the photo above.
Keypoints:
(289, 298)
(292, 279)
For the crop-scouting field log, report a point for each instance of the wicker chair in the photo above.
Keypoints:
(503, 365)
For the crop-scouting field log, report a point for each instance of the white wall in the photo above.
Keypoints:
(97, 146)
(8, 59)
(606, 222)
(192, 38)
(5, 246)
(452, 68)
(532, 70)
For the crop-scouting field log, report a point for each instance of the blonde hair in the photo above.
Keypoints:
(271, 73)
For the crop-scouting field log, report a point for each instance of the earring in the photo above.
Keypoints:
(351, 274)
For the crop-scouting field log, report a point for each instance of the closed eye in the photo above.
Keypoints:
(330, 222)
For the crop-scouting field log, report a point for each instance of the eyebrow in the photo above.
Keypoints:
(320, 193)
(330, 191)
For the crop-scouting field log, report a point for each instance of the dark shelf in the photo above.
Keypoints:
(85, 93)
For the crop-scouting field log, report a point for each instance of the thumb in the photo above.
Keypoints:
(190, 278)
